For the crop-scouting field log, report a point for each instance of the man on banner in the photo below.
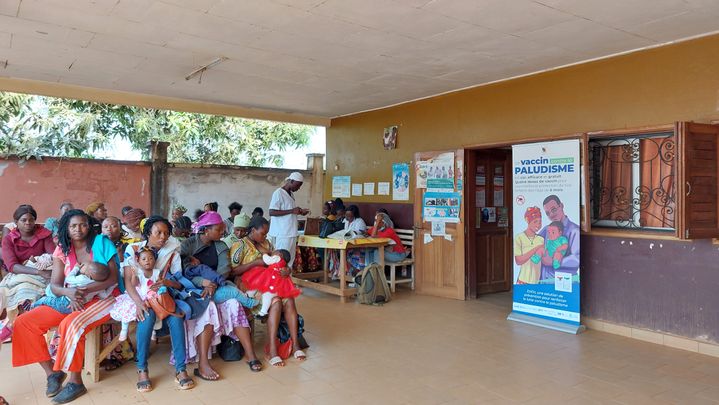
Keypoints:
(554, 209)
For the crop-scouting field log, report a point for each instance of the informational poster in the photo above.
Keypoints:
(369, 188)
(341, 186)
(480, 181)
(546, 194)
(400, 181)
(489, 214)
(357, 189)
(498, 191)
(441, 207)
(440, 172)
(439, 228)
(420, 169)
(383, 188)
(503, 217)
(460, 174)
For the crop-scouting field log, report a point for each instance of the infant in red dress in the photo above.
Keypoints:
(269, 280)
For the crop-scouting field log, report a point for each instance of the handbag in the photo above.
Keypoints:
(283, 331)
(162, 303)
(229, 349)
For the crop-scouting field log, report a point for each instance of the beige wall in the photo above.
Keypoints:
(657, 86)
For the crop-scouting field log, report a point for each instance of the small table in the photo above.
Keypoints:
(303, 279)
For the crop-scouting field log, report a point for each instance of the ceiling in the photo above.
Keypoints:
(324, 58)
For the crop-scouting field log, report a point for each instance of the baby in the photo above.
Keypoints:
(225, 290)
(125, 308)
(80, 276)
(269, 280)
(555, 246)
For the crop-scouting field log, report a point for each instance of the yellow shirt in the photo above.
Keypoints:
(529, 271)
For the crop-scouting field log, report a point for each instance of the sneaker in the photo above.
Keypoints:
(70, 393)
(54, 383)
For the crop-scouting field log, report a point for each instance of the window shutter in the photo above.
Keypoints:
(697, 185)
(585, 206)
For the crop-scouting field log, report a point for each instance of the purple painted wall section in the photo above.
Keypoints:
(665, 286)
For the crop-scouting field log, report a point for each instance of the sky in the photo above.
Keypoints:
(293, 158)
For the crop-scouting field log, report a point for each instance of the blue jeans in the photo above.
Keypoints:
(171, 325)
(389, 256)
(229, 291)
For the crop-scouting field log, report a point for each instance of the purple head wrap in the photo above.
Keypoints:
(207, 219)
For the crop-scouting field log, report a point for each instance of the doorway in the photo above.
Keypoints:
(488, 216)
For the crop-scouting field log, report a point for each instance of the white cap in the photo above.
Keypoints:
(296, 176)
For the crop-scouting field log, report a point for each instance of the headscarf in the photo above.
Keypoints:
(180, 208)
(386, 220)
(90, 209)
(133, 218)
(209, 218)
(532, 213)
(142, 225)
(241, 221)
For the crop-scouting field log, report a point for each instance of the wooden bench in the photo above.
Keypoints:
(407, 238)
(95, 353)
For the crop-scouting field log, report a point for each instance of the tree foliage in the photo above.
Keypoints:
(34, 126)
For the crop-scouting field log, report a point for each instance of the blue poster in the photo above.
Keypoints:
(400, 181)
(441, 207)
(546, 193)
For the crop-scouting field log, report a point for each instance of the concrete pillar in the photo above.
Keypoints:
(315, 164)
(159, 199)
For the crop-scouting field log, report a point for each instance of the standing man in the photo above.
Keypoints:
(283, 215)
(554, 209)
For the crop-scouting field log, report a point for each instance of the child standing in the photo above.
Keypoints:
(269, 280)
(127, 305)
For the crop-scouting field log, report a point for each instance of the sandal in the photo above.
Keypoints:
(144, 385)
(186, 383)
(199, 375)
(300, 355)
(255, 365)
(277, 361)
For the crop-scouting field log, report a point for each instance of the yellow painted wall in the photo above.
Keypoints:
(652, 87)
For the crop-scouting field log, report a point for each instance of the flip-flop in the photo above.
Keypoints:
(198, 374)
(277, 361)
(255, 365)
(300, 355)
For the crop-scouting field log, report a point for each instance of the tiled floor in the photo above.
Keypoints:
(421, 350)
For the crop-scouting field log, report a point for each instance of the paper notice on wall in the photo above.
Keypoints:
(460, 174)
(427, 238)
(420, 168)
(400, 181)
(440, 173)
(368, 188)
(383, 188)
(480, 197)
(441, 207)
(448, 237)
(503, 217)
(438, 228)
(341, 186)
(498, 196)
(357, 189)
(489, 214)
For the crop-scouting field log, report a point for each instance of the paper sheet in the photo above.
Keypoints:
(427, 238)
(383, 188)
(369, 188)
(438, 228)
(357, 189)
(448, 237)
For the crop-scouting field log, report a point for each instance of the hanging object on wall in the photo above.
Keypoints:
(389, 139)
(400, 181)
(341, 186)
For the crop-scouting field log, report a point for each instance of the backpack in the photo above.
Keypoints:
(373, 288)
(328, 227)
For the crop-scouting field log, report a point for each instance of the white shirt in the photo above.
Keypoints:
(286, 225)
(358, 225)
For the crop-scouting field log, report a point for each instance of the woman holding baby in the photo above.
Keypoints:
(78, 245)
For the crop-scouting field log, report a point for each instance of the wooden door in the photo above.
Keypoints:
(489, 224)
(439, 264)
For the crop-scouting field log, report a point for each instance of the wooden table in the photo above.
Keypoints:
(303, 279)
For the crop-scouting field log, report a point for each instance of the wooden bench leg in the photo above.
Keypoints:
(92, 352)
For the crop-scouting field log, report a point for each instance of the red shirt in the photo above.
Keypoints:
(390, 233)
(17, 251)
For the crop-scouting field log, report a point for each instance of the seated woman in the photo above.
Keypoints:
(383, 228)
(78, 245)
(206, 247)
(26, 281)
(97, 213)
(181, 228)
(246, 254)
(353, 221)
(51, 223)
(132, 224)
(156, 236)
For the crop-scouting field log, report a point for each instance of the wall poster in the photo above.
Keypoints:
(546, 193)
(341, 186)
(440, 172)
(441, 207)
(400, 181)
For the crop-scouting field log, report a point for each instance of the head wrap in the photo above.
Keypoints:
(209, 218)
(180, 208)
(532, 213)
(90, 209)
(241, 220)
(133, 218)
(296, 176)
(386, 220)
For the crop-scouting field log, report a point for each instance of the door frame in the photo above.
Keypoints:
(470, 283)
